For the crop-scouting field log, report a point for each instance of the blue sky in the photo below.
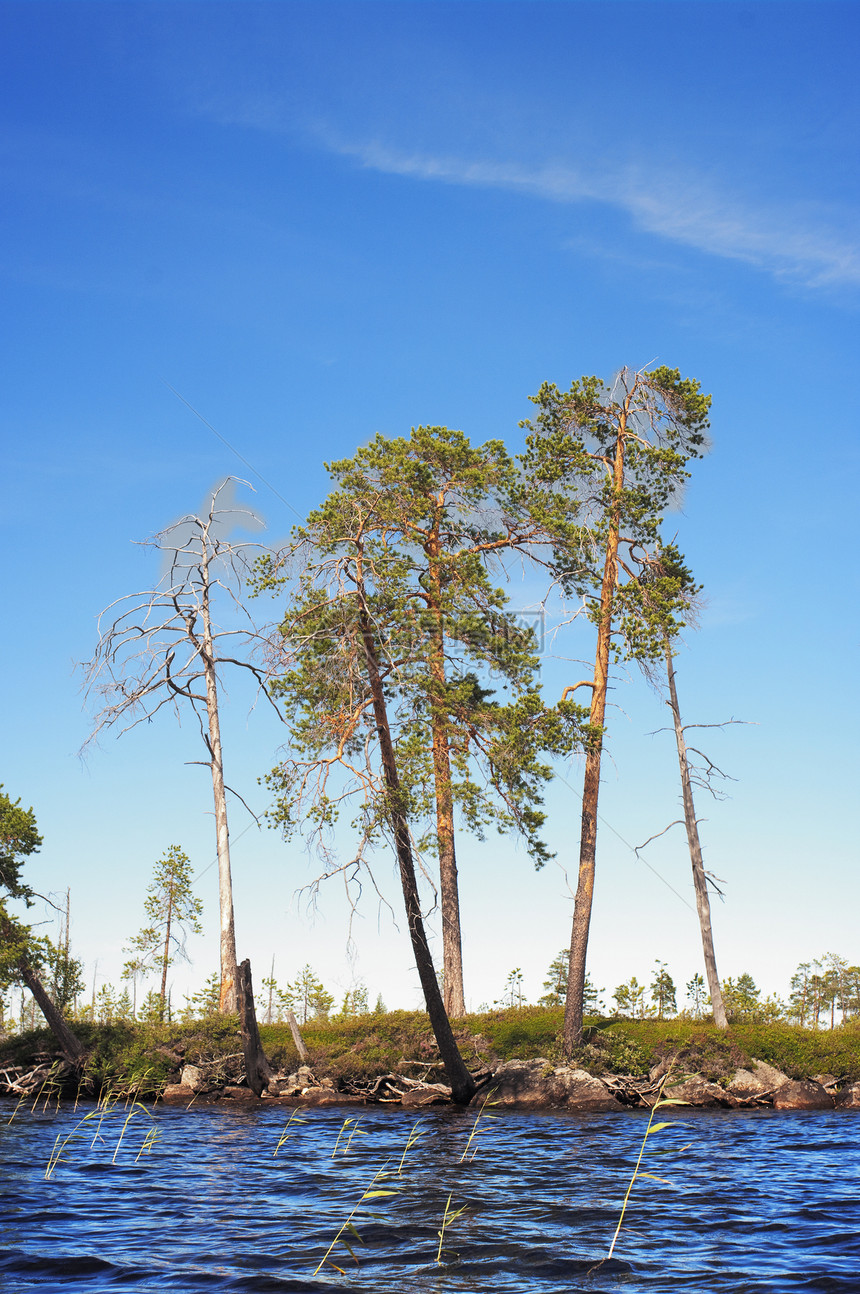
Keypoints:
(317, 222)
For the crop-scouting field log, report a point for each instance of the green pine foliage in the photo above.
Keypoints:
(172, 910)
(570, 453)
(19, 839)
(419, 523)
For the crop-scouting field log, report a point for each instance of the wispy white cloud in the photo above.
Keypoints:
(788, 241)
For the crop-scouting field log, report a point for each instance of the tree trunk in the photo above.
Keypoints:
(258, 1071)
(165, 959)
(71, 1048)
(452, 944)
(449, 893)
(699, 879)
(573, 1010)
(463, 1086)
(225, 882)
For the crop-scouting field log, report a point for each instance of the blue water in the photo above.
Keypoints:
(757, 1201)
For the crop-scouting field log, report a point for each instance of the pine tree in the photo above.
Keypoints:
(392, 624)
(170, 906)
(602, 464)
(663, 991)
(430, 515)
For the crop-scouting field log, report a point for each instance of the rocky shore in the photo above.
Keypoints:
(390, 1059)
(538, 1085)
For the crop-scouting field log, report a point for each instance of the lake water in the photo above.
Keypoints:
(753, 1201)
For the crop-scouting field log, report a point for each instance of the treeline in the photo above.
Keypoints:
(306, 996)
(822, 993)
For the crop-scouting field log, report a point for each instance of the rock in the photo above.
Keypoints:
(327, 1096)
(192, 1076)
(177, 1093)
(768, 1075)
(805, 1094)
(517, 1082)
(696, 1090)
(762, 1080)
(232, 1093)
(849, 1097)
(304, 1076)
(531, 1084)
(582, 1091)
(826, 1080)
(745, 1085)
(427, 1094)
(662, 1067)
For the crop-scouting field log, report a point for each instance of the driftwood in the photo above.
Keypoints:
(258, 1071)
(397, 1089)
(45, 1078)
(297, 1037)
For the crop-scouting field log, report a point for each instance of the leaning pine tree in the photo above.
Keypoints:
(602, 463)
(23, 954)
(391, 624)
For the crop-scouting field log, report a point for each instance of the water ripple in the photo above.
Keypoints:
(751, 1202)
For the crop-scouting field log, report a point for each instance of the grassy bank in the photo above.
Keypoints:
(361, 1047)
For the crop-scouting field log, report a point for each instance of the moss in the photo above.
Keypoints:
(800, 1053)
(145, 1057)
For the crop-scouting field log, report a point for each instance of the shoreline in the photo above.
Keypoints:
(524, 1085)
(390, 1059)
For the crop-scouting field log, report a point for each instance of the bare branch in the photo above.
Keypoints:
(583, 683)
(725, 724)
(679, 822)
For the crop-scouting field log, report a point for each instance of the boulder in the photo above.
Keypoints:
(517, 1082)
(323, 1096)
(290, 1084)
(582, 1091)
(192, 1076)
(805, 1094)
(532, 1084)
(177, 1094)
(233, 1093)
(696, 1090)
(426, 1094)
(849, 1097)
(760, 1081)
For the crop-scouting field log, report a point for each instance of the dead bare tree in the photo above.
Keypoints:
(668, 566)
(163, 647)
(700, 880)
